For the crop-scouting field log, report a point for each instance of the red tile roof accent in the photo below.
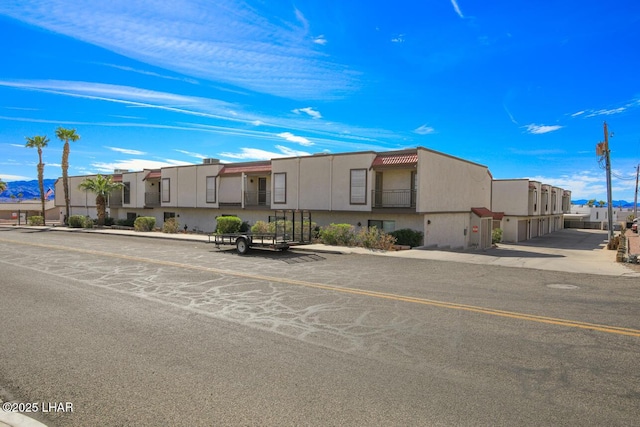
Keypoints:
(483, 212)
(395, 159)
(116, 178)
(153, 174)
(230, 169)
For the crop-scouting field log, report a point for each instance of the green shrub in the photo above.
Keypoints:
(171, 225)
(144, 223)
(125, 222)
(76, 221)
(408, 237)
(36, 220)
(372, 238)
(88, 222)
(244, 227)
(228, 224)
(260, 227)
(496, 235)
(108, 221)
(338, 234)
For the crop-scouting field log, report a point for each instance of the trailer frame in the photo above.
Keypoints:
(287, 233)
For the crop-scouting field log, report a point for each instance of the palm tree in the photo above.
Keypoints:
(66, 135)
(39, 142)
(3, 186)
(101, 186)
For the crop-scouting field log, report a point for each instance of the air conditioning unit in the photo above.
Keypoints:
(210, 161)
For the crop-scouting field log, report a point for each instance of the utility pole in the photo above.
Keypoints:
(635, 199)
(607, 154)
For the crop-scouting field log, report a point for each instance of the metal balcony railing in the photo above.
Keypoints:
(393, 198)
(115, 199)
(257, 198)
(152, 198)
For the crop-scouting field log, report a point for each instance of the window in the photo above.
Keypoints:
(280, 187)
(387, 226)
(358, 192)
(168, 215)
(211, 189)
(126, 193)
(165, 190)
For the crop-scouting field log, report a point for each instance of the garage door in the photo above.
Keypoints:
(522, 230)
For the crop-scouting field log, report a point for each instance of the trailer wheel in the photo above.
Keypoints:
(242, 246)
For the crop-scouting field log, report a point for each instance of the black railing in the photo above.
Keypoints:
(115, 199)
(257, 198)
(152, 198)
(393, 198)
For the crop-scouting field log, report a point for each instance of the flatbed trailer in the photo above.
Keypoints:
(291, 228)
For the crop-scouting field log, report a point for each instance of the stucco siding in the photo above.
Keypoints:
(447, 230)
(447, 184)
(510, 196)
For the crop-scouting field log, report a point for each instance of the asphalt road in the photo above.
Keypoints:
(135, 331)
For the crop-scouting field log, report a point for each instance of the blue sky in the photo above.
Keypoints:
(520, 86)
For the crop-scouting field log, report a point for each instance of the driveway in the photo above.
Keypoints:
(569, 250)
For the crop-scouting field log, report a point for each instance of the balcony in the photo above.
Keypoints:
(257, 198)
(152, 199)
(115, 199)
(393, 198)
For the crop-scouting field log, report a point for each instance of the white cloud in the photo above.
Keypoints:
(259, 48)
(606, 112)
(136, 164)
(579, 113)
(310, 111)
(9, 178)
(540, 129)
(425, 130)
(321, 40)
(398, 39)
(457, 8)
(257, 154)
(297, 139)
(196, 155)
(582, 184)
(127, 151)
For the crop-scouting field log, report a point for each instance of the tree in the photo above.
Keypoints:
(39, 142)
(3, 186)
(591, 202)
(66, 135)
(601, 203)
(101, 186)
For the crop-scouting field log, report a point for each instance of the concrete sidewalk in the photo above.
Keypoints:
(568, 250)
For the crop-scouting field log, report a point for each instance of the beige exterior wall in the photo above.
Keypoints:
(395, 179)
(290, 168)
(448, 184)
(447, 230)
(202, 172)
(137, 188)
(323, 182)
(315, 182)
(230, 189)
(535, 189)
(341, 185)
(510, 196)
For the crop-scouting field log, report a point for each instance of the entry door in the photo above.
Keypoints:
(262, 191)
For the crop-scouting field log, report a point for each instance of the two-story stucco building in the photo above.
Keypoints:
(450, 200)
(529, 208)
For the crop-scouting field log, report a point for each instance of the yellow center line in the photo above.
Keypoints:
(395, 297)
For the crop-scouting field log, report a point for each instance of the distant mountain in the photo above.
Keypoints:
(26, 190)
